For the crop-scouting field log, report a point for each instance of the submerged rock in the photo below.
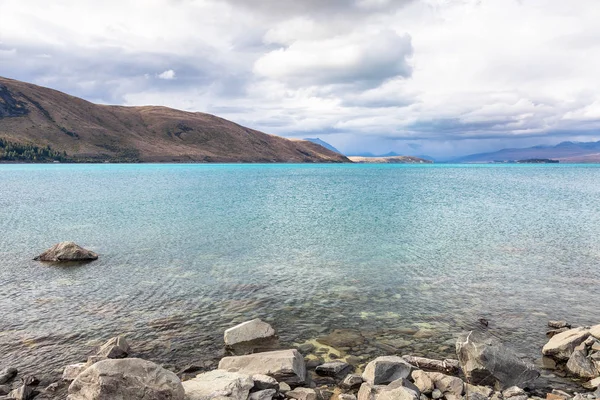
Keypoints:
(559, 324)
(7, 375)
(486, 361)
(218, 384)
(66, 251)
(129, 378)
(283, 365)
(333, 368)
(342, 338)
(249, 336)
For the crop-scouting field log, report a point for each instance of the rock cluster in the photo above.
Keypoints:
(485, 370)
(577, 352)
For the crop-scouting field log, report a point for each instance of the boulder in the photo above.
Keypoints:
(592, 384)
(447, 366)
(250, 336)
(515, 393)
(334, 368)
(386, 369)
(485, 361)
(351, 381)
(283, 365)
(66, 251)
(71, 371)
(264, 382)
(423, 381)
(559, 324)
(129, 378)
(218, 384)
(580, 365)
(301, 393)
(4, 389)
(405, 383)
(266, 394)
(447, 384)
(483, 390)
(595, 331)
(116, 347)
(7, 375)
(561, 346)
(23, 392)
(284, 387)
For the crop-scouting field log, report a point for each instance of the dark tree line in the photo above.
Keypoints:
(11, 151)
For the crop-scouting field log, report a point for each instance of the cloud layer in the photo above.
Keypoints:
(438, 77)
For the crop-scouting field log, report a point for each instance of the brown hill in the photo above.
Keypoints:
(38, 116)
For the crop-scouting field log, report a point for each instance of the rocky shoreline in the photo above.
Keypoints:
(256, 368)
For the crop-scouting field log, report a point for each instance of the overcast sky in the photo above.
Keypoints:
(435, 77)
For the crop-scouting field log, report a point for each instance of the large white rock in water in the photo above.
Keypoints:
(129, 378)
(249, 336)
(486, 361)
(66, 251)
(218, 384)
(386, 369)
(561, 346)
(284, 365)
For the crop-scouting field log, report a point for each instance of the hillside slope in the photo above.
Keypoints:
(38, 116)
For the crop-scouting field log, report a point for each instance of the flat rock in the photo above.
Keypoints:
(513, 391)
(386, 369)
(447, 366)
(559, 324)
(71, 371)
(333, 368)
(301, 393)
(7, 375)
(592, 384)
(446, 383)
(485, 361)
(283, 365)
(116, 347)
(66, 251)
(561, 346)
(218, 384)
(249, 336)
(483, 390)
(129, 378)
(351, 381)
(580, 365)
(595, 331)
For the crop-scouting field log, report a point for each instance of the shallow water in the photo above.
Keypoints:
(189, 250)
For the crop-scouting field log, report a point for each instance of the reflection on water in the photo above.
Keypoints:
(408, 256)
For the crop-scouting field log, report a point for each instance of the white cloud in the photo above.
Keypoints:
(168, 74)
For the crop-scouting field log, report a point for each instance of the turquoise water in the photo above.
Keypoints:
(188, 250)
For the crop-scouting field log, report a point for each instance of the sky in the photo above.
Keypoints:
(420, 77)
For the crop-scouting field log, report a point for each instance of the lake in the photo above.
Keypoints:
(407, 255)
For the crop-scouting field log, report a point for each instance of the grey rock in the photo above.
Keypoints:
(23, 392)
(266, 394)
(369, 392)
(264, 382)
(486, 361)
(423, 381)
(447, 366)
(71, 371)
(301, 393)
(218, 384)
(351, 381)
(592, 384)
(284, 387)
(346, 396)
(116, 347)
(513, 391)
(446, 383)
(397, 393)
(249, 336)
(306, 348)
(4, 389)
(483, 390)
(384, 370)
(561, 346)
(581, 366)
(7, 375)
(405, 383)
(589, 342)
(284, 365)
(437, 394)
(559, 324)
(66, 251)
(334, 368)
(476, 396)
(129, 378)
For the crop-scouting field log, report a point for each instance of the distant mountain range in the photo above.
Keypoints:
(323, 143)
(41, 124)
(566, 152)
(389, 160)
